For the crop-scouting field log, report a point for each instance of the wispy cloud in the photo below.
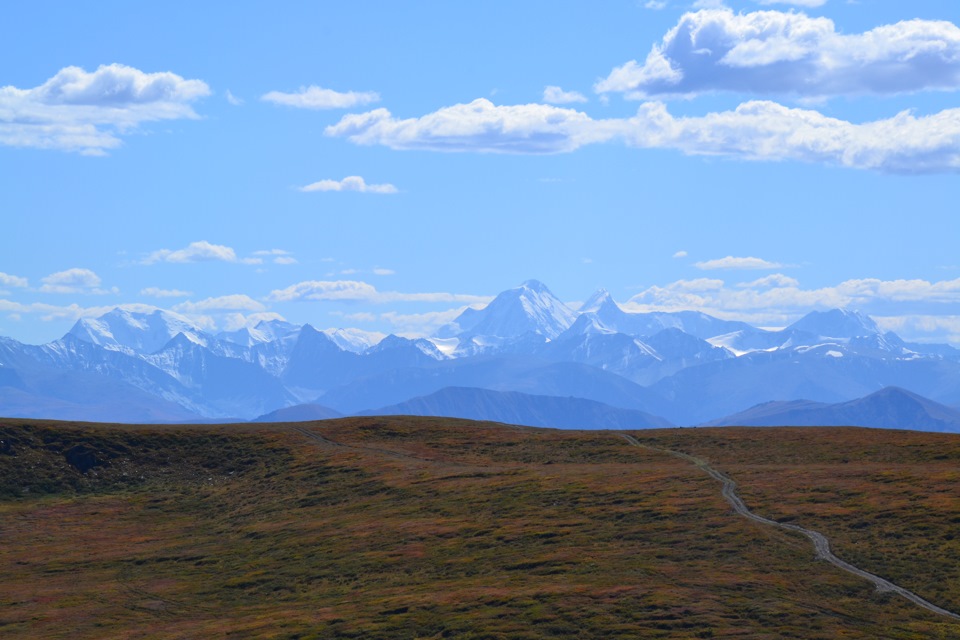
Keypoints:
(420, 324)
(235, 302)
(314, 97)
(357, 291)
(730, 262)
(756, 130)
(779, 296)
(232, 99)
(201, 251)
(773, 52)
(279, 256)
(680, 254)
(479, 126)
(556, 95)
(74, 281)
(350, 183)
(155, 292)
(8, 280)
(87, 112)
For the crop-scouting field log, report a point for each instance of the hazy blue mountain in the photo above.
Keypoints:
(523, 409)
(698, 394)
(221, 386)
(500, 373)
(686, 366)
(317, 363)
(299, 413)
(889, 408)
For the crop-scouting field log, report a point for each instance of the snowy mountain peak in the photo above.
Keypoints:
(130, 331)
(529, 308)
(600, 300)
(354, 340)
(836, 323)
(535, 286)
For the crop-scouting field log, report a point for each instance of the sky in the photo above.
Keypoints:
(383, 165)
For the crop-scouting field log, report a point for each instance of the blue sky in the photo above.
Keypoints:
(382, 165)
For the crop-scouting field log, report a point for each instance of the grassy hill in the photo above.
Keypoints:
(436, 528)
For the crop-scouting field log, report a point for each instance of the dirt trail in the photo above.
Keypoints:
(820, 542)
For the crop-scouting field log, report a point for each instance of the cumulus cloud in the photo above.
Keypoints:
(731, 262)
(420, 325)
(155, 292)
(87, 112)
(791, 53)
(478, 126)
(763, 130)
(356, 291)
(756, 130)
(796, 3)
(236, 302)
(201, 251)
(279, 256)
(779, 296)
(8, 280)
(350, 183)
(556, 95)
(74, 281)
(314, 97)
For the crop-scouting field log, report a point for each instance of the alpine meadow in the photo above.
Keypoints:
(446, 320)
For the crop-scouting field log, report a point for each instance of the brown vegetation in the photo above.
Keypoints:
(433, 528)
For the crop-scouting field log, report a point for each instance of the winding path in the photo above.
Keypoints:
(820, 542)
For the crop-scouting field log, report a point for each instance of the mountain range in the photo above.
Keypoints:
(518, 359)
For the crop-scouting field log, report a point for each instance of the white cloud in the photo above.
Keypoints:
(756, 130)
(314, 97)
(420, 325)
(235, 302)
(87, 112)
(232, 99)
(201, 251)
(478, 126)
(350, 183)
(762, 130)
(236, 321)
(791, 53)
(279, 256)
(154, 292)
(731, 262)
(796, 3)
(655, 4)
(8, 280)
(383, 272)
(74, 281)
(556, 95)
(773, 280)
(680, 254)
(777, 297)
(355, 291)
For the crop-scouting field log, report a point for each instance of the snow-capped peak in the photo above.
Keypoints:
(132, 331)
(600, 299)
(354, 340)
(836, 323)
(529, 308)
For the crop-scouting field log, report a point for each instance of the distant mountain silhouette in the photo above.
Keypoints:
(524, 409)
(889, 408)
